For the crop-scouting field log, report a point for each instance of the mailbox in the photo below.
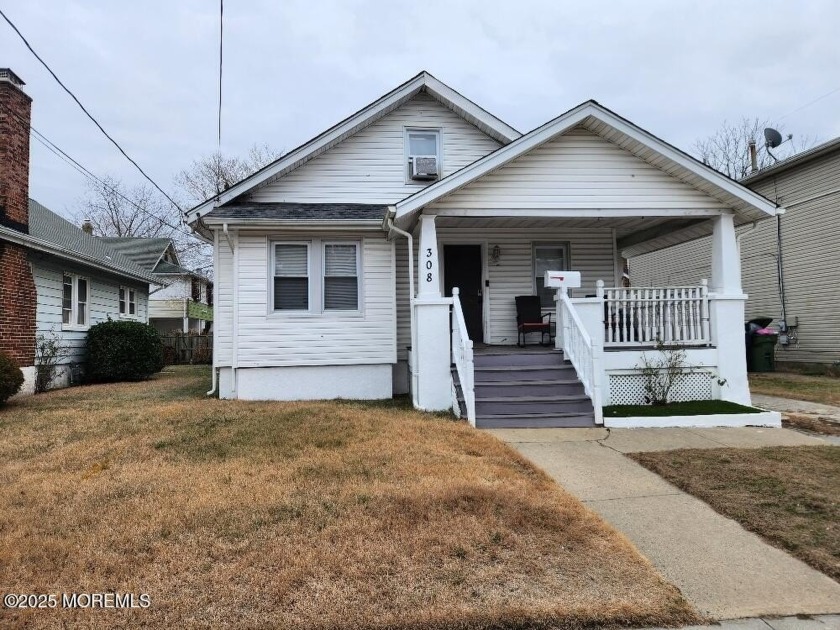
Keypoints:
(562, 279)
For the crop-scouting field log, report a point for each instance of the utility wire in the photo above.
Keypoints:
(221, 60)
(75, 164)
(84, 109)
(819, 98)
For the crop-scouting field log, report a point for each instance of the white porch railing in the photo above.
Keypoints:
(462, 355)
(641, 316)
(580, 348)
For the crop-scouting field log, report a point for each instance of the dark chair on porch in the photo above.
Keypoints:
(530, 319)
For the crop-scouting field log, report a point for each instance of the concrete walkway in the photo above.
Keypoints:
(723, 570)
(789, 405)
(818, 622)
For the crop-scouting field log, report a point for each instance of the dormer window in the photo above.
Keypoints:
(422, 147)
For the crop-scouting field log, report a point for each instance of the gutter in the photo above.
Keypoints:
(37, 244)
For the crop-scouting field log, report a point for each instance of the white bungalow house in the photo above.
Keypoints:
(337, 265)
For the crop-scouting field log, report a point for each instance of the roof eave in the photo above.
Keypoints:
(37, 244)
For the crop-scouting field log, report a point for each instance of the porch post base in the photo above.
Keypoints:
(434, 358)
(727, 316)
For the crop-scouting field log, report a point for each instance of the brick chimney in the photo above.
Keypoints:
(15, 110)
(17, 287)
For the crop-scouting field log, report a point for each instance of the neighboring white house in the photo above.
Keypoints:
(183, 301)
(336, 265)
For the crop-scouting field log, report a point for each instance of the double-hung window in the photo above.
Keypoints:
(316, 276)
(291, 277)
(423, 143)
(128, 302)
(548, 257)
(74, 302)
(341, 277)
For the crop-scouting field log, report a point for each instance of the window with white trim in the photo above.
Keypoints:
(422, 143)
(75, 312)
(548, 257)
(316, 276)
(341, 277)
(128, 302)
(291, 277)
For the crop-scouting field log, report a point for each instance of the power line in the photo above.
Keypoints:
(84, 109)
(819, 98)
(75, 164)
(221, 60)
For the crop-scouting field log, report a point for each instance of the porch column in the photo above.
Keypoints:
(726, 311)
(431, 317)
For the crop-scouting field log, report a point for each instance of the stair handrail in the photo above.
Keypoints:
(462, 355)
(584, 352)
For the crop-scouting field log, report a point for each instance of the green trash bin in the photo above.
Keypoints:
(763, 353)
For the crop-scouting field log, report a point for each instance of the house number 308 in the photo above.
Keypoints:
(428, 264)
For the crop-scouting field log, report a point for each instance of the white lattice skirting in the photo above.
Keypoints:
(629, 389)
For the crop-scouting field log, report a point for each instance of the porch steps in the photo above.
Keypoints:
(527, 388)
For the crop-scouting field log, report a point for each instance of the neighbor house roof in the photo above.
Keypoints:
(146, 252)
(285, 211)
(52, 234)
(423, 82)
(617, 130)
(793, 161)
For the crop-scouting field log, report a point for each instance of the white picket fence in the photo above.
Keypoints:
(642, 316)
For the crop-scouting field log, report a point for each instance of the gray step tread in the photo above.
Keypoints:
(534, 399)
(522, 368)
(513, 353)
(540, 414)
(571, 381)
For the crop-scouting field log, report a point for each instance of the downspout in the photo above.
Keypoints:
(780, 266)
(234, 320)
(389, 223)
(215, 367)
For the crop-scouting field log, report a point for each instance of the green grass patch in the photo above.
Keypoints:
(688, 408)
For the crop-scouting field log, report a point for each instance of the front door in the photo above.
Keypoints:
(462, 269)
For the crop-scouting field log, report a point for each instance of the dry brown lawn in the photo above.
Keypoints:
(297, 515)
(789, 495)
(818, 389)
(814, 424)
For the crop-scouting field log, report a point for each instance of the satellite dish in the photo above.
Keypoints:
(773, 137)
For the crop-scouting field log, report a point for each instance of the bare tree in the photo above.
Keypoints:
(116, 210)
(215, 173)
(727, 150)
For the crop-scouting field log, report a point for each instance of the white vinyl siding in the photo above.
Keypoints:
(578, 170)
(332, 337)
(370, 166)
(103, 302)
(590, 252)
(810, 237)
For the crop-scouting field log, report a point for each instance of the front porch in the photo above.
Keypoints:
(602, 334)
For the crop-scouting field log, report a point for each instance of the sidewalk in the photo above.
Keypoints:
(819, 622)
(790, 405)
(725, 571)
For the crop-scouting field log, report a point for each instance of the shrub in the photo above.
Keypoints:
(11, 378)
(123, 351)
(49, 351)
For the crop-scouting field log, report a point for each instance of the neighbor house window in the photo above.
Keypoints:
(74, 301)
(341, 277)
(128, 301)
(423, 143)
(291, 277)
(548, 257)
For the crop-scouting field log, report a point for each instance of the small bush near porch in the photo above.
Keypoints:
(789, 495)
(298, 515)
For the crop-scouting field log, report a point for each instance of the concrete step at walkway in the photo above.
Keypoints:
(725, 571)
(536, 420)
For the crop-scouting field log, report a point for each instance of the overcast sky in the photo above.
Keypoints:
(148, 70)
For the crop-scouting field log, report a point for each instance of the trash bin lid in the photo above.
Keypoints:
(761, 322)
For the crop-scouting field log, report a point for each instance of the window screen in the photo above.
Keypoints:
(341, 277)
(82, 301)
(548, 258)
(67, 301)
(291, 277)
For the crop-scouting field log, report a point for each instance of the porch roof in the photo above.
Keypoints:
(748, 205)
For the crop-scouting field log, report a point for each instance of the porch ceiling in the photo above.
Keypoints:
(627, 229)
